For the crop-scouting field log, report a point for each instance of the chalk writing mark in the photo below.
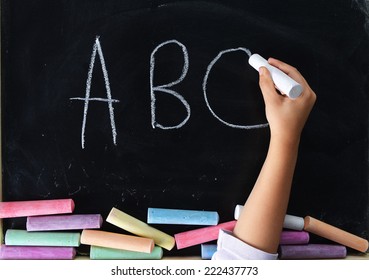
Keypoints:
(97, 50)
(165, 88)
(204, 87)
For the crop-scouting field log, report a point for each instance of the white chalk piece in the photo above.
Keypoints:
(293, 222)
(290, 221)
(181, 217)
(237, 211)
(283, 82)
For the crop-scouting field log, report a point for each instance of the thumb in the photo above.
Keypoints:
(267, 85)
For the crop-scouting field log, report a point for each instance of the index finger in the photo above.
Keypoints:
(288, 69)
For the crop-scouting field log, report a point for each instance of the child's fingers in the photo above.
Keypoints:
(282, 65)
(267, 86)
(288, 69)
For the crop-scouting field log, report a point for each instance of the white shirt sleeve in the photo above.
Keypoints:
(231, 248)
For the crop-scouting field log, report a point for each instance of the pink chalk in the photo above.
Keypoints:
(201, 235)
(294, 237)
(64, 222)
(15, 209)
(36, 253)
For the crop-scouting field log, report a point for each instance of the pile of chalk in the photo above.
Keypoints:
(295, 239)
(54, 232)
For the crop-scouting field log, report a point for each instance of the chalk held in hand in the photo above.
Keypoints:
(64, 222)
(335, 234)
(282, 81)
(116, 241)
(135, 226)
(14, 209)
(290, 221)
(36, 253)
(19, 237)
(182, 217)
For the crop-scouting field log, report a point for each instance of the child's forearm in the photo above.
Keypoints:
(261, 220)
(261, 228)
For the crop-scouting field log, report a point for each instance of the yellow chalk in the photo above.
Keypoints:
(135, 226)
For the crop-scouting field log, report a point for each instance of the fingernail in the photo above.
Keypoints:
(261, 71)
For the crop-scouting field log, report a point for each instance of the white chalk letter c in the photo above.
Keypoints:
(204, 85)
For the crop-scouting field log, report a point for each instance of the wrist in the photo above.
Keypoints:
(286, 141)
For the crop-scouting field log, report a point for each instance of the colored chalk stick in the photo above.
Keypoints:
(18, 237)
(36, 253)
(101, 253)
(290, 221)
(335, 234)
(181, 217)
(64, 222)
(312, 251)
(207, 251)
(294, 237)
(117, 241)
(15, 209)
(201, 235)
(135, 226)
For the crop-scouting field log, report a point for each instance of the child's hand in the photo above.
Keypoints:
(286, 116)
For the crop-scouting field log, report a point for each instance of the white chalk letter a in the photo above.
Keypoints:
(97, 49)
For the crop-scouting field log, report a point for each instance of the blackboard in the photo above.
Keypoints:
(135, 104)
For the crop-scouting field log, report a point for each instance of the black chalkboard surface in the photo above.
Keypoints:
(135, 104)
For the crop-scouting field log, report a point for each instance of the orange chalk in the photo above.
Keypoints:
(335, 234)
(117, 241)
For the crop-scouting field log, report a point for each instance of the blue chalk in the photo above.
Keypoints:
(207, 251)
(181, 217)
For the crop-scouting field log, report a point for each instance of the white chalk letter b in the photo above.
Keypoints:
(166, 88)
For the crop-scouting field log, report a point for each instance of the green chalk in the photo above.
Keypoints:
(101, 253)
(20, 237)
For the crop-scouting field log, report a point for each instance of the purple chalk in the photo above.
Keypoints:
(294, 237)
(64, 222)
(36, 253)
(312, 251)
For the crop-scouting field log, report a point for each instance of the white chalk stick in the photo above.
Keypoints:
(293, 222)
(290, 221)
(237, 211)
(282, 81)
